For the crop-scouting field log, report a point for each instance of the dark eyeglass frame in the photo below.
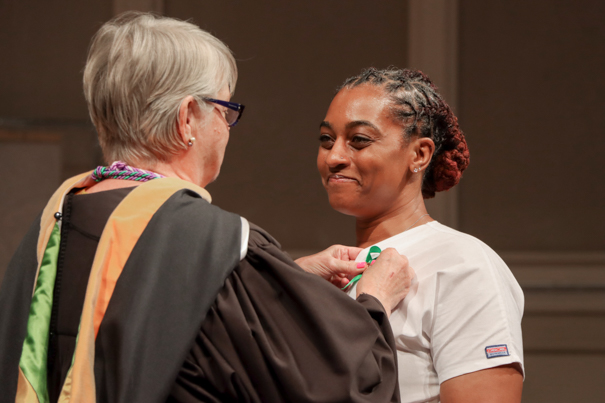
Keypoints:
(230, 117)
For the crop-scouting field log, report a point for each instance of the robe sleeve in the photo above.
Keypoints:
(278, 334)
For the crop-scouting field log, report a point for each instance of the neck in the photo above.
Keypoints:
(392, 222)
(171, 171)
(181, 166)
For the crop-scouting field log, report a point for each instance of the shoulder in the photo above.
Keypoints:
(471, 273)
(458, 249)
(472, 257)
(455, 263)
(188, 209)
(435, 248)
(260, 238)
(457, 238)
(185, 219)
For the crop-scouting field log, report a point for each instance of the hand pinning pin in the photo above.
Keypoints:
(373, 254)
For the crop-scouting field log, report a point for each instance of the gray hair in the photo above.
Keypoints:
(139, 69)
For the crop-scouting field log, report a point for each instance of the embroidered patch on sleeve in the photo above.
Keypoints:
(499, 350)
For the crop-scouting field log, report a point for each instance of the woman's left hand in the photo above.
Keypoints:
(335, 264)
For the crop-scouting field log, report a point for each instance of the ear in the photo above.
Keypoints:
(187, 114)
(423, 152)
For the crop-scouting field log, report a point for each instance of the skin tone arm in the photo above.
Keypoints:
(502, 384)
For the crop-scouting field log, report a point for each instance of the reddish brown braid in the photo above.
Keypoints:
(422, 112)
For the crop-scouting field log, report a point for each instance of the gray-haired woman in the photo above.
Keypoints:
(143, 291)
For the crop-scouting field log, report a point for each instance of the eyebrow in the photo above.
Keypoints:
(350, 125)
(356, 123)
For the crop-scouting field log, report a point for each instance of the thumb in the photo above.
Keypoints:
(350, 268)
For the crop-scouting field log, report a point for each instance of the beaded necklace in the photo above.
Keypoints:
(121, 170)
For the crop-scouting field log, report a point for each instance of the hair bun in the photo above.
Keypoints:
(451, 163)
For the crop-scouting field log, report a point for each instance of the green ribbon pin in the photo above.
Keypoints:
(373, 254)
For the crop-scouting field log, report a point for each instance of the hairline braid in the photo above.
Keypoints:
(413, 95)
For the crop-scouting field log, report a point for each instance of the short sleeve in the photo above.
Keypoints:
(477, 316)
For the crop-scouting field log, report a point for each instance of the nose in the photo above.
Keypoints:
(338, 156)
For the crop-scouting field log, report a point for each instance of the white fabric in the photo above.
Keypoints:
(465, 300)
(243, 249)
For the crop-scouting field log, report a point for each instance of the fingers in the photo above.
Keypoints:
(348, 269)
(335, 261)
(411, 273)
(353, 252)
(342, 252)
(340, 280)
(392, 254)
(388, 280)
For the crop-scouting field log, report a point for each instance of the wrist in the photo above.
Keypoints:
(365, 296)
(310, 265)
(383, 299)
(303, 263)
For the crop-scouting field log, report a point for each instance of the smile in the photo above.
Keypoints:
(341, 179)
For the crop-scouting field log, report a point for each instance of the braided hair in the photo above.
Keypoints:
(422, 112)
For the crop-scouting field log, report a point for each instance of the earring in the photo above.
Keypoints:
(191, 140)
(415, 170)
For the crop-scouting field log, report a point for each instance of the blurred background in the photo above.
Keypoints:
(525, 79)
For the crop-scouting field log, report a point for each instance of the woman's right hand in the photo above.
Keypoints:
(388, 280)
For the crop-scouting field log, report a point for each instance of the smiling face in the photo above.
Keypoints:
(363, 158)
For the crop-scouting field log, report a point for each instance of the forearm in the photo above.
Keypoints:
(502, 384)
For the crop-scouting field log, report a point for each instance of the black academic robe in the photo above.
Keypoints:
(190, 321)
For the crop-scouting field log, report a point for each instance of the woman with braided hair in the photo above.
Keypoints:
(388, 142)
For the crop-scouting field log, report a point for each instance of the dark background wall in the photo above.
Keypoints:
(529, 98)
(531, 104)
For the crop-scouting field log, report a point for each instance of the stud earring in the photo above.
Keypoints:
(415, 170)
(191, 140)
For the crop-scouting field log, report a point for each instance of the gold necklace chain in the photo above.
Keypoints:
(416, 222)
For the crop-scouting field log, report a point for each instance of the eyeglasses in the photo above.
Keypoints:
(233, 113)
